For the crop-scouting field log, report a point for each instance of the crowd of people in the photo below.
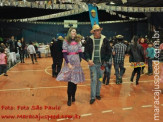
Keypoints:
(97, 50)
(19, 47)
(100, 53)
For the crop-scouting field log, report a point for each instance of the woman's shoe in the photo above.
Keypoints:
(73, 99)
(69, 102)
(131, 79)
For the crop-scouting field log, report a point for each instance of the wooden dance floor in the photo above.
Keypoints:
(31, 94)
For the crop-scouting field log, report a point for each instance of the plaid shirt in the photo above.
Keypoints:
(119, 49)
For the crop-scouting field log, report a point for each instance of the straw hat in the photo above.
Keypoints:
(60, 38)
(119, 37)
(95, 27)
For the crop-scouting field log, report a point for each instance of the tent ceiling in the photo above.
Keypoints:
(148, 3)
(145, 3)
(19, 12)
(22, 12)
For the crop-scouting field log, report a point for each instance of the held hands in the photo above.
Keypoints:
(90, 63)
(70, 66)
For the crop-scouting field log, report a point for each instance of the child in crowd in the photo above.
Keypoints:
(19, 43)
(3, 62)
(150, 56)
(32, 52)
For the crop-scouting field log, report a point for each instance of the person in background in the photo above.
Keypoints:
(119, 51)
(23, 47)
(97, 52)
(47, 48)
(57, 55)
(5, 41)
(12, 44)
(161, 60)
(136, 59)
(51, 46)
(3, 45)
(146, 38)
(1, 40)
(19, 47)
(126, 43)
(32, 52)
(114, 42)
(108, 66)
(161, 52)
(72, 71)
(144, 44)
(19, 43)
(25, 51)
(3, 62)
(83, 42)
(37, 51)
(150, 56)
(36, 43)
(79, 37)
(21, 51)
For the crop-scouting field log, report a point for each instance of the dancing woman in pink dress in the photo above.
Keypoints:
(72, 71)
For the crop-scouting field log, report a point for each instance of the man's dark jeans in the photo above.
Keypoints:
(119, 70)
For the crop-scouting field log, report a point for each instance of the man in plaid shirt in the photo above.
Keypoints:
(119, 51)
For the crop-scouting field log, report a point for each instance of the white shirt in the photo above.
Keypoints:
(31, 49)
(19, 44)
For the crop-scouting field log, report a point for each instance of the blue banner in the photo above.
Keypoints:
(93, 14)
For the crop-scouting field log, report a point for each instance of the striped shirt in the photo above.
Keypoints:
(96, 51)
(119, 49)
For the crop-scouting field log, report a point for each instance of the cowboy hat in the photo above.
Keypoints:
(95, 27)
(60, 38)
(119, 37)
